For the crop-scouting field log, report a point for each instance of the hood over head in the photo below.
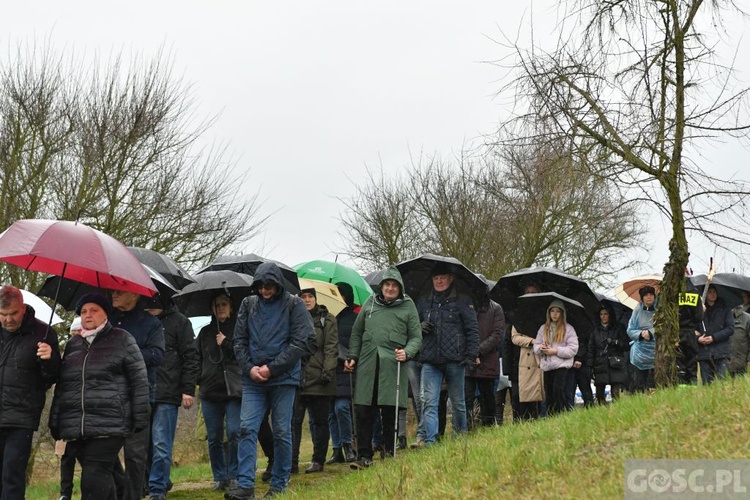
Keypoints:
(268, 272)
(392, 273)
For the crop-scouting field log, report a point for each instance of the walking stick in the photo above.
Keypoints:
(395, 422)
(355, 443)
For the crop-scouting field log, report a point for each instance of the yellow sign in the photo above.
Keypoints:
(689, 299)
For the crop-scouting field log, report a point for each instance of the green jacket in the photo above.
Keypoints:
(319, 371)
(379, 330)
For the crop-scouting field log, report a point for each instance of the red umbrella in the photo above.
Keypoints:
(74, 251)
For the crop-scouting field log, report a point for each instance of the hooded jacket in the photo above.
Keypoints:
(24, 378)
(455, 333)
(274, 332)
(102, 389)
(219, 377)
(380, 328)
(178, 371)
(319, 371)
(345, 321)
(566, 350)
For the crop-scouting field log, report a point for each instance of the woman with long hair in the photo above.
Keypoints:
(557, 344)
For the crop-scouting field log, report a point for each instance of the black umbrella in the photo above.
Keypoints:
(729, 286)
(417, 275)
(71, 290)
(195, 299)
(174, 273)
(248, 263)
(548, 279)
(530, 313)
(622, 312)
(374, 278)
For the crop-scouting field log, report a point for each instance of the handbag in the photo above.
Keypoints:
(503, 381)
(617, 362)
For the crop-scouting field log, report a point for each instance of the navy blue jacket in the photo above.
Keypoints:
(148, 334)
(274, 332)
(455, 334)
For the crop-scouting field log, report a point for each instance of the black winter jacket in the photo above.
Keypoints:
(455, 334)
(719, 323)
(219, 376)
(178, 371)
(102, 389)
(607, 342)
(148, 334)
(24, 378)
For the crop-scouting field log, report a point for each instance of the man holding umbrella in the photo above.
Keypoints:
(29, 361)
(450, 342)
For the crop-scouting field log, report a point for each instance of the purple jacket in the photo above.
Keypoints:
(566, 350)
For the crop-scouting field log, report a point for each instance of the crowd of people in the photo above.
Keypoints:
(133, 362)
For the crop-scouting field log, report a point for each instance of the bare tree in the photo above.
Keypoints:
(117, 146)
(379, 222)
(496, 212)
(638, 88)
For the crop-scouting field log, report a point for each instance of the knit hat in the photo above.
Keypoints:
(308, 290)
(645, 290)
(95, 298)
(560, 305)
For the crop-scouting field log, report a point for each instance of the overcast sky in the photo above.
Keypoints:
(309, 94)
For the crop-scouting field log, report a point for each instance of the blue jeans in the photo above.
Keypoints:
(713, 368)
(340, 422)
(215, 413)
(163, 425)
(432, 378)
(256, 399)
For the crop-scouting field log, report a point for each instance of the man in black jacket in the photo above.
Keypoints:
(29, 361)
(129, 314)
(175, 387)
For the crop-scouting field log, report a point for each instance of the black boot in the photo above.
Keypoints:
(401, 443)
(337, 457)
(349, 454)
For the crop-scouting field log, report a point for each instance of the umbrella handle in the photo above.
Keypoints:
(57, 294)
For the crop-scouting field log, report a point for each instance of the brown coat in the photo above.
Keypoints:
(530, 375)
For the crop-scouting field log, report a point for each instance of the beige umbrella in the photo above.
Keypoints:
(327, 294)
(627, 291)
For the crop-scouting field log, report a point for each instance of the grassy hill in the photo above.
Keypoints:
(577, 455)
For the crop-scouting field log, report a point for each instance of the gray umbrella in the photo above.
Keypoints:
(729, 286)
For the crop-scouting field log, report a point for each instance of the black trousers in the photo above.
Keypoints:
(687, 364)
(364, 416)
(97, 457)
(643, 379)
(486, 388)
(555, 382)
(614, 391)
(130, 481)
(319, 406)
(67, 472)
(15, 448)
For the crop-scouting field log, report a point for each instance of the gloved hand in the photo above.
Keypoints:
(427, 327)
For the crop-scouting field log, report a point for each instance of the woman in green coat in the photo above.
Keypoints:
(386, 333)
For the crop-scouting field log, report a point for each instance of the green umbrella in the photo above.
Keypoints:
(333, 272)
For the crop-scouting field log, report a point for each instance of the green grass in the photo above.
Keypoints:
(576, 455)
